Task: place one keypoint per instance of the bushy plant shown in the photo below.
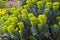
(36, 20)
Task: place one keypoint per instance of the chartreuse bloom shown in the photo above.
(12, 9)
(47, 10)
(34, 1)
(26, 7)
(14, 24)
(30, 15)
(4, 18)
(19, 9)
(58, 18)
(16, 13)
(42, 19)
(4, 28)
(29, 3)
(13, 19)
(59, 23)
(13, 15)
(19, 16)
(33, 21)
(55, 26)
(20, 31)
(21, 27)
(24, 16)
(24, 11)
(11, 29)
(48, 4)
(48, 0)
(7, 23)
(2, 12)
(55, 6)
(40, 5)
(16, 30)
(44, 1)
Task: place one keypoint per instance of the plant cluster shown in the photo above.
(36, 20)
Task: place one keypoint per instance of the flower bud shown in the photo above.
(29, 3)
(33, 21)
(11, 29)
(24, 11)
(47, 10)
(21, 25)
(40, 4)
(55, 5)
(55, 26)
(30, 15)
(48, 5)
(24, 16)
(42, 19)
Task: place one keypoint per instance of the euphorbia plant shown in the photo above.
(37, 19)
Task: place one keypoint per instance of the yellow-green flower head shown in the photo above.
(26, 7)
(11, 29)
(58, 18)
(40, 4)
(34, 1)
(55, 26)
(5, 17)
(44, 1)
(19, 9)
(13, 9)
(48, 5)
(2, 12)
(20, 31)
(21, 25)
(59, 23)
(4, 28)
(7, 23)
(13, 23)
(25, 16)
(56, 5)
(30, 15)
(48, 0)
(24, 11)
(16, 29)
(40, 26)
(33, 21)
(13, 15)
(16, 12)
(19, 16)
(29, 3)
(42, 19)
(47, 10)
(14, 19)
